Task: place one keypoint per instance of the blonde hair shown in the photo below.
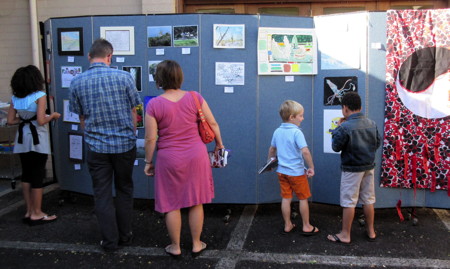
(289, 108)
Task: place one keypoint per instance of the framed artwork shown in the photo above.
(76, 147)
(70, 41)
(159, 36)
(185, 36)
(136, 73)
(229, 36)
(69, 116)
(68, 73)
(287, 51)
(336, 87)
(121, 38)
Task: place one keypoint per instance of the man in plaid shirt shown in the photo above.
(106, 100)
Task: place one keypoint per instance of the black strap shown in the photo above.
(32, 129)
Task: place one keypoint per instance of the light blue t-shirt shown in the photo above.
(289, 140)
(28, 103)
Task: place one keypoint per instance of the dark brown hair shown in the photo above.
(352, 101)
(168, 75)
(100, 48)
(26, 80)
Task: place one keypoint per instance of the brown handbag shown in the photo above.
(206, 133)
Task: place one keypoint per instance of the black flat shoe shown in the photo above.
(26, 220)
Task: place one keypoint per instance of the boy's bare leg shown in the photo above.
(347, 218)
(286, 212)
(369, 213)
(304, 212)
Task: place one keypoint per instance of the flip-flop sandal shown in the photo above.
(175, 256)
(44, 220)
(196, 254)
(292, 230)
(312, 232)
(371, 239)
(337, 240)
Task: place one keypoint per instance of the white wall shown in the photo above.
(15, 40)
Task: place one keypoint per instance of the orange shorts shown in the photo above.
(297, 184)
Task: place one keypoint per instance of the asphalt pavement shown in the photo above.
(238, 236)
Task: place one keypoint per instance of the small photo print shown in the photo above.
(159, 36)
(152, 69)
(136, 73)
(185, 36)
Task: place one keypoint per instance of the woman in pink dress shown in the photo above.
(182, 171)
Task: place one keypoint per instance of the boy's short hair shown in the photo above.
(352, 100)
(169, 75)
(100, 48)
(289, 108)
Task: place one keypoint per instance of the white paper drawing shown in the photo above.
(68, 73)
(330, 119)
(75, 147)
(69, 116)
(230, 73)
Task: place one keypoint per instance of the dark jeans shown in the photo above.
(114, 216)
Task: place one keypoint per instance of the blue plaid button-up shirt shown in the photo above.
(105, 97)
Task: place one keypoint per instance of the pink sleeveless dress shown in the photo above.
(183, 175)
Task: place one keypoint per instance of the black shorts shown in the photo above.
(33, 168)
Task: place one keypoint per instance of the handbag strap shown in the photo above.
(199, 108)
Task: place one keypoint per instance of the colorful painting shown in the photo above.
(185, 36)
(70, 41)
(229, 36)
(416, 150)
(287, 51)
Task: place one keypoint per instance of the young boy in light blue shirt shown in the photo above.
(289, 146)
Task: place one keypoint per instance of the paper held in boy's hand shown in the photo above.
(271, 163)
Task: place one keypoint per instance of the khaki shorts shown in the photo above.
(357, 188)
(297, 184)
